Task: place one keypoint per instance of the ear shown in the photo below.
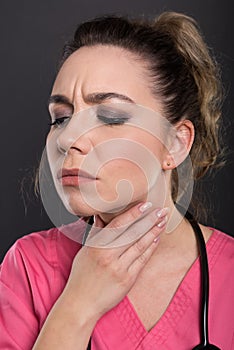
(180, 146)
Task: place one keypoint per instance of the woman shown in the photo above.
(143, 290)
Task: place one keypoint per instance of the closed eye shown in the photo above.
(112, 116)
(59, 121)
(118, 120)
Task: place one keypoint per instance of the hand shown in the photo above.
(101, 277)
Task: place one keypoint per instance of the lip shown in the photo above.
(74, 176)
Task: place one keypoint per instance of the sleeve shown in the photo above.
(18, 322)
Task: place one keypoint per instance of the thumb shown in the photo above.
(98, 222)
(93, 238)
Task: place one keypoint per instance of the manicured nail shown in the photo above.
(163, 222)
(161, 213)
(156, 239)
(145, 206)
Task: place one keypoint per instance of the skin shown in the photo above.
(127, 270)
(76, 87)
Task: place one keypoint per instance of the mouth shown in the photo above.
(74, 177)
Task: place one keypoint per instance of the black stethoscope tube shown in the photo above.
(204, 333)
(204, 279)
(204, 268)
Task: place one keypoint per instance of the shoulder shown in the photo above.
(222, 239)
(35, 270)
(45, 244)
(40, 253)
(46, 241)
(32, 276)
(220, 248)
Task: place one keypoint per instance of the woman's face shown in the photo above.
(111, 155)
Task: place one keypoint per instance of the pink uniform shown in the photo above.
(36, 268)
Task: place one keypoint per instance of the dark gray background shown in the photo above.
(32, 35)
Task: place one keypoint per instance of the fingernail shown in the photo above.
(145, 206)
(163, 222)
(156, 239)
(161, 213)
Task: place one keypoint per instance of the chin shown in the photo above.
(111, 207)
(80, 209)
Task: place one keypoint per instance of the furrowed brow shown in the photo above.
(93, 98)
(59, 99)
(99, 97)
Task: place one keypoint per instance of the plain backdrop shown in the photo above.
(31, 38)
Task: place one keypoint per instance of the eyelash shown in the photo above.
(107, 121)
(113, 120)
(58, 121)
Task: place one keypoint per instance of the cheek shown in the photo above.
(122, 177)
(54, 157)
(155, 146)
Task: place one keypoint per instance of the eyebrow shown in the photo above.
(94, 98)
(59, 99)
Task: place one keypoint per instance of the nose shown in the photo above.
(74, 137)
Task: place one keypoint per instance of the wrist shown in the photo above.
(80, 311)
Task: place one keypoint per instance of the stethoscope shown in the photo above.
(204, 333)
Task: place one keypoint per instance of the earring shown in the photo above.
(168, 164)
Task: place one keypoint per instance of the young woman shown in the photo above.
(132, 103)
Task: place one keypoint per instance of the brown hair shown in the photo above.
(181, 70)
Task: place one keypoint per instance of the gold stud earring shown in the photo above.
(168, 164)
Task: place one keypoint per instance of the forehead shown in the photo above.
(99, 68)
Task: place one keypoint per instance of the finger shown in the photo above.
(117, 226)
(130, 255)
(136, 230)
(142, 260)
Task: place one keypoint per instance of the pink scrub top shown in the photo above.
(36, 268)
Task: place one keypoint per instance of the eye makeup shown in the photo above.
(112, 116)
(106, 115)
(59, 115)
(59, 121)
